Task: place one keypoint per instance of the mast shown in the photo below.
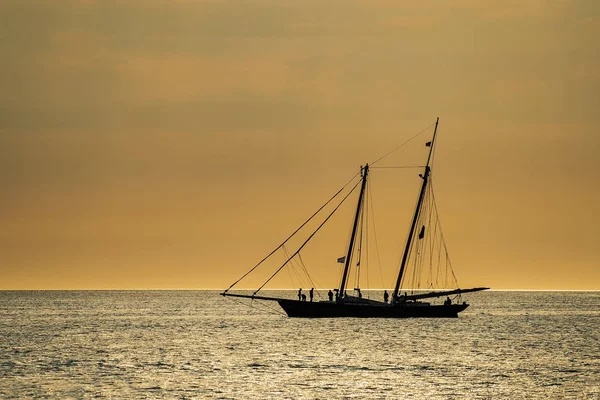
(365, 172)
(425, 177)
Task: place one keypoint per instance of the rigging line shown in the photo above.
(420, 133)
(415, 260)
(310, 237)
(291, 278)
(421, 249)
(359, 249)
(442, 234)
(423, 243)
(301, 281)
(269, 310)
(285, 257)
(340, 273)
(414, 271)
(422, 257)
(434, 244)
(446, 277)
(429, 234)
(451, 267)
(448, 262)
(294, 268)
(291, 270)
(412, 264)
(301, 262)
(439, 262)
(442, 243)
(296, 231)
(370, 195)
(266, 308)
(304, 278)
(313, 283)
(413, 255)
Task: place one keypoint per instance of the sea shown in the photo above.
(199, 345)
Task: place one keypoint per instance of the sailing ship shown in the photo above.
(404, 303)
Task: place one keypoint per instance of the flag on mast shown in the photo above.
(341, 260)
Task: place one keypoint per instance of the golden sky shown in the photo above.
(172, 144)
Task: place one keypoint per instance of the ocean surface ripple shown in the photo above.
(198, 345)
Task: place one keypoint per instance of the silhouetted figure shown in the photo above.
(311, 293)
(447, 302)
(386, 296)
(299, 294)
(303, 297)
(337, 295)
(330, 295)
(359, 294)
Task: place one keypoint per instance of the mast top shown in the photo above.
(432, 143)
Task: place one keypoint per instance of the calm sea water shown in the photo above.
(196, 344)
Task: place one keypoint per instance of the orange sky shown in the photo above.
(172, 144)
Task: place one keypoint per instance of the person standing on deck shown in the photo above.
(299, 294)
(386, 296)
(311, 293)
(330, 295)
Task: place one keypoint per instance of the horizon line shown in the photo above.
(280, 289)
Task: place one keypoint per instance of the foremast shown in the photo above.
(364, 172)
(411, 232)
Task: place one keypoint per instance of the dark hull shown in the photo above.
(304, 309)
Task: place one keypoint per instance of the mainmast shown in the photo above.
(364, 172)
(425, 177)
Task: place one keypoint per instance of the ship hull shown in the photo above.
(303, 309)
